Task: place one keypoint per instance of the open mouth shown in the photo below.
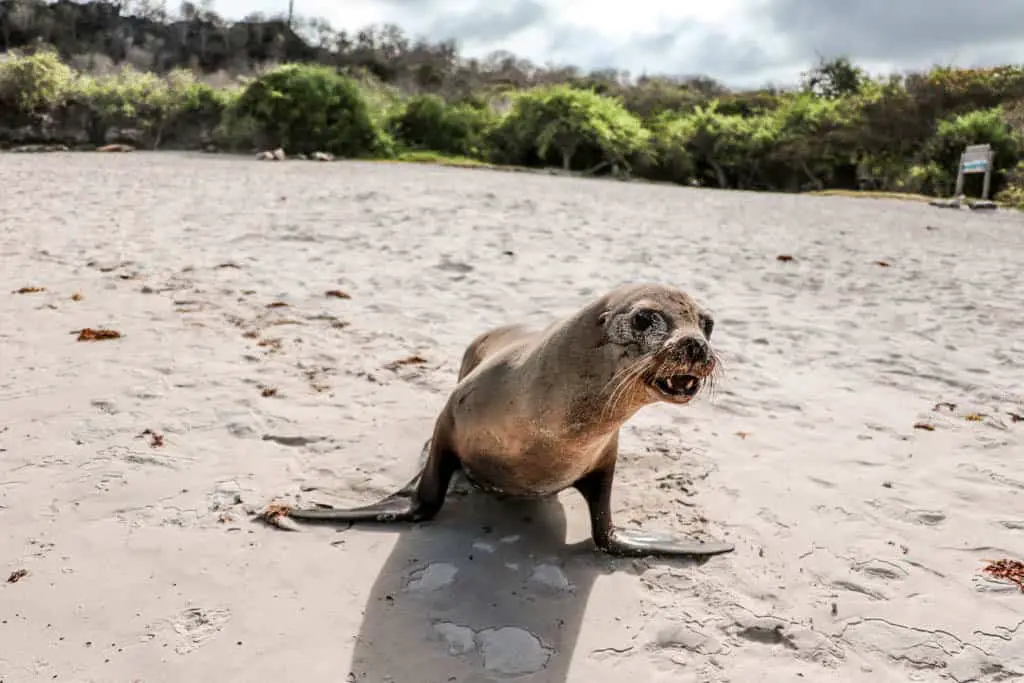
(678, 386)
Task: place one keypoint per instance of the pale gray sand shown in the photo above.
(859, 538)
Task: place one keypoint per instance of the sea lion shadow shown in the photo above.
(487, 590)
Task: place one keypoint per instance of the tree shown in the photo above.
(834, 78)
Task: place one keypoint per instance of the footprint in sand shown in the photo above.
(197, 626)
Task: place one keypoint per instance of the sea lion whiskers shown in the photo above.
(713, 378)
(625, 381)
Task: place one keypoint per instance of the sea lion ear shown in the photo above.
(707, 324)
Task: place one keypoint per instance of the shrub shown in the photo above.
(727, 148)
(34, 84)
(147, 102)
(571, 127)
(815, 140)
(974, 128)
(428, 122)
(672, 158)
(928, 179)
(1012, 193)
(307, 108)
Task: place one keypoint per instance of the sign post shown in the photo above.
(975, 159)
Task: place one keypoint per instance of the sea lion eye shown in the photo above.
(643, 319)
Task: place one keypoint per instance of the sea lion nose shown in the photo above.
(694, 349)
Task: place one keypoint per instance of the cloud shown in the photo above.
(490, 22)
(739, 42)
(898, 30)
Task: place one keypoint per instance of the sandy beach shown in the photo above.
(861, 451)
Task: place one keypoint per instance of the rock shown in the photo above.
(115, 148)
(322, 156)
(301, 157)
(946, 203)
(35, 149)
(271, 155)
(983, 205)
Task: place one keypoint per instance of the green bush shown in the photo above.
(724, 149)
(815, 140)
(672, 157)
(308, 108)
(577, 129)
(973, 128)
(1012, 193)
(929, 179)
(427, 122)
(34, 84)
(147, 102)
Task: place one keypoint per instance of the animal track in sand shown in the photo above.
(196, 626)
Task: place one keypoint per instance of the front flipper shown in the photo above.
(637, 542)
(596, 489)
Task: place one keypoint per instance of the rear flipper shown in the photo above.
(400, 506)
(397, 507)
(421, 499)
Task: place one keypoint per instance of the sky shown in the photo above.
(741, 43)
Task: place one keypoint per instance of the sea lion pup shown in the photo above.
(536, 412)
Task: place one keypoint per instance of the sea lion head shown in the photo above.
(663, 339)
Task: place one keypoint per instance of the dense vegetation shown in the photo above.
(98, 72)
